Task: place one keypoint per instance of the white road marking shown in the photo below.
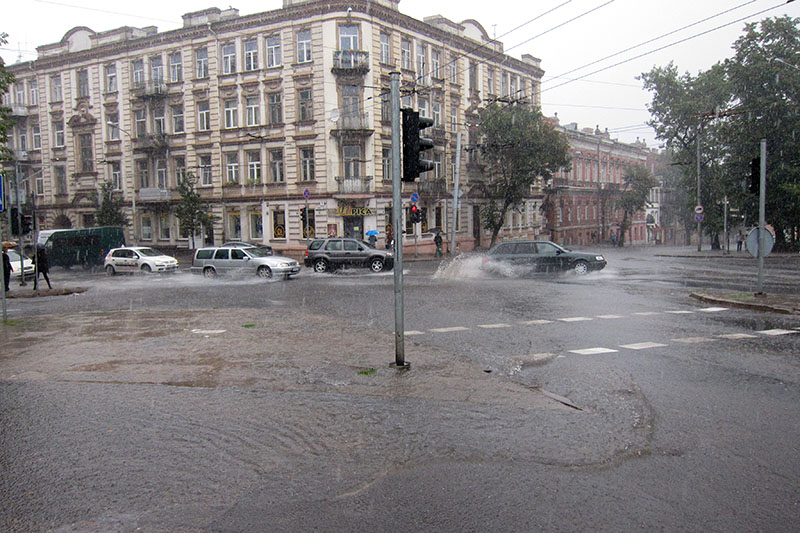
(610, 316)
(737, 336)
(694, 340)
(208, 331)
(448, 330)
(642, 345)
(535, 357)
(593, 351)
(774, 332)
(575, 319)
(680, 312)
(414, 332)
(713, 309)
(647, 313)
(535, 322)
(494, 326)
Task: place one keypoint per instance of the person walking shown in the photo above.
(6, 268)
(42, 267)
(437, 240)
(373, 240)
(739, 241)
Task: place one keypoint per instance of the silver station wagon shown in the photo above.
(222, 260)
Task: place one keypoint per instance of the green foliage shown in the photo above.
(6, 79)
(109, 207)
(752, 96)
(517, 148)
(637, 182)
(192, 211)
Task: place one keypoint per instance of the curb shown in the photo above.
(770, 308)
(45, 292)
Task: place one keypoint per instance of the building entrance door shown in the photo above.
(354, 228)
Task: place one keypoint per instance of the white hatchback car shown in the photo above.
(138, 259)
(27, 264)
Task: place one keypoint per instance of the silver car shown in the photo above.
(220, 260)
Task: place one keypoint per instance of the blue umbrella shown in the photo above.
(372, 232)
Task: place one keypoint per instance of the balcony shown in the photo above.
(150, 89)
(353, 185)
(352, 125)
(18, 110)
(433, 187)
(21, 155)
(157, 143)
(347, 62)
(154, 194)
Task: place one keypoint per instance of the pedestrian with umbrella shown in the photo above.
(373, 237)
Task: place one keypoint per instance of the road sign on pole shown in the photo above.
(699, 217)
(414, 197)
(698, 209)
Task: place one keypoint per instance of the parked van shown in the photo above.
(86, 247)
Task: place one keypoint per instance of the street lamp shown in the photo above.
(133, 181)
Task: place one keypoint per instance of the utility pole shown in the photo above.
(397, 211)
(18, 169)
(762, 195)
(699, 223)
(456, 195)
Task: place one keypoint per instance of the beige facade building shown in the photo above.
(272, 112)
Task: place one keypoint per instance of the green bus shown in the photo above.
(85, 247)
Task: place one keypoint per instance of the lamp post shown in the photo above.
(133, 183)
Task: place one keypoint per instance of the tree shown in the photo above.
(109, 207)
(6, 79)
(637, 182)
(191, 211)
(518, 148)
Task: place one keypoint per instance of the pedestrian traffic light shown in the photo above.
(415, 214)
(755, 175)
(413, 144)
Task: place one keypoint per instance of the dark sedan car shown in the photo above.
(541, 256)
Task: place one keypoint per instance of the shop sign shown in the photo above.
(348, 211)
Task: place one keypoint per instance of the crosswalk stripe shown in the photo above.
(713, 309)
(737, 336)
(642, 345)
(607, 317)
(680, 312)
(647, 313)
(774, 332)
(694, 340)
(414, 332)
(448, 330)
(494, 326)
(575, 319)
(536, 322)
(593, 351)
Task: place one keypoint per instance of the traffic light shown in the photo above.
(303, 215)
(755, 175)
(415, 214)
(413, 144)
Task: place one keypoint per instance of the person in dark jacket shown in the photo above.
(42, 267)
(6, 268)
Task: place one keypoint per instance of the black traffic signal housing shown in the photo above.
(413, 144)
(303, 215)
(755, 175)
(416, 216)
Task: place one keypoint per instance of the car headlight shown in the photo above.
(599, 258)
(388, 254)
(285, 265)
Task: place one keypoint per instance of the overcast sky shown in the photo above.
(564, 34)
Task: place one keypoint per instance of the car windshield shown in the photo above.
(13, 256)
(148, 252)
(257, 252)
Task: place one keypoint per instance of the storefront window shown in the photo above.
(279, 224)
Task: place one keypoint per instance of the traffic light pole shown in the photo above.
(19, 225)
(397, 211)
(762, 223)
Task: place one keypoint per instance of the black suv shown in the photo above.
(328, 254)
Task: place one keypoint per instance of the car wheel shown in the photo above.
(146, 269)
(209, 273)
(376, 264)
(264, 272)
(581, 267)
(110, 270)
(320, 266)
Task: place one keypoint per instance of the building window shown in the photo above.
(503, 84)
(256, 225)
(83, 83)
(159, 121)
(273, 51)
(157, 69)
(437, 165)
(352, 160)
(203, 116)
(251, 54)
(58, 133)
(423, 107)
(513, 86)
(279, 224)
(436, 64)
(253, 167)
(452, 68)
(232, 167)
(20, 90)
(235, 225)
(231, 113)
(305, 104)
(175, 67)
(386, 158)
(113, 127)
(33, 92)
(163, 227)
(473, 76)
(205, 170)
(276, 165)
(348, 37)
(116, 176)
(55, 88)
(177, 118)
(252, 111)
(22, 140)
(437, 114)
(36, 133)
(386, 107)
(147, 228)
(140, 122)
(386, 49)
(351, 100)
(137, 69)
(143, 173)
(304, 46)
(422, 54)
(111, 78)
(275, 109)
(61, 180)
(201, 62)
(161, 174)
(86, 152)
(228, 58)
(180, 169)
(405, 54)
(490, 80)
(307, 164)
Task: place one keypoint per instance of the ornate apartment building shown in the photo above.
(272, 112)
